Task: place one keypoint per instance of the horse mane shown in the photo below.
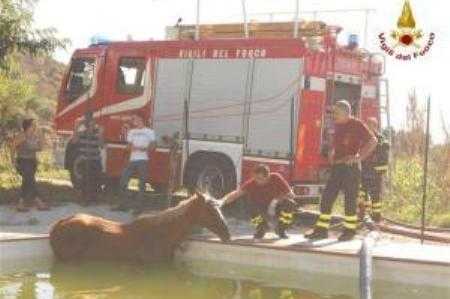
(166, 216)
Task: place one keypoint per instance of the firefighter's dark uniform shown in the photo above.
(90, 144)
(373, 170)
(349, 138)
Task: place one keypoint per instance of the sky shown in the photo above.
(146, 19)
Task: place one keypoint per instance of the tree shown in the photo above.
(18, 40)
(18, 35)
(409, 141)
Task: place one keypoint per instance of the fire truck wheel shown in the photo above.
(112, 185)
(212, 173)
(159, 188)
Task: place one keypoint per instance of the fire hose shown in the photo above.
(308, 217)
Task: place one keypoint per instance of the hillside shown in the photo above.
(45, 72)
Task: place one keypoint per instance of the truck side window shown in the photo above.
(80, 77)
(130, 76)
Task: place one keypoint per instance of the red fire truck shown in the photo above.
(235, 102)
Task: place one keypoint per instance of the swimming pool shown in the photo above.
(211, 269)
(196, 279)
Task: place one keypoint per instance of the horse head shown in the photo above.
(210, 217)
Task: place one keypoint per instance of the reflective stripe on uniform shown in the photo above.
(351, 218)
(381, 167)
(351, 222)
(350, 225)
(376, 207)
(323, 224)
(257, 220)
(326, 217)
(324, 221)
(286, 218)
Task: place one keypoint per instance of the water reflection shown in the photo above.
(115, 280)
(190, 281)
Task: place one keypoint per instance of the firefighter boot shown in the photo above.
(280, 230)
(347, 235)
(285, 219)
(321, 228)
(318, 233)
(261, 231)
(261, 227)
(376, 212)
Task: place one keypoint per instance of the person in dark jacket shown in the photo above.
(89, 138)
(372, 172)
(24, 150)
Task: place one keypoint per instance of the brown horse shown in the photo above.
(149, 238)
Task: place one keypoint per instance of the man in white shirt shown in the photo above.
(141, 140)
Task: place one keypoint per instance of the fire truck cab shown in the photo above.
(235, 103)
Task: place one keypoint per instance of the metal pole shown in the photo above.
(291, 139)
(365, 266)
(388, 122)
(197, 25)
(186, 127)
(297, 7)
(425, 171)
(244, 13)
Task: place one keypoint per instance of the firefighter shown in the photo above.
(89, 138)
(269, 197)
(372, 172)
(352, 143)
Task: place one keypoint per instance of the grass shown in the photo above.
(53, 183)
(404, 201)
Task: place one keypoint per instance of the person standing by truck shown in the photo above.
(141, 140)
(352, 143)
(89, 138)
(269, 196)
(372, 172)
(24, 150)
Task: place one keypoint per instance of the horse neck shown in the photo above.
(182, 226)
(178, 221)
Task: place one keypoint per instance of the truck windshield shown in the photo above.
(80, 77)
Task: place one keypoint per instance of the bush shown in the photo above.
(442, 220)
(403, 202)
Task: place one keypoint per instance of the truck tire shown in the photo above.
(76, 173)
(112, 185)
(160, 188)
(211, 173)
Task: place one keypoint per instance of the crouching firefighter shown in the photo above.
(372, 172)
(352, 143)
(270, 198)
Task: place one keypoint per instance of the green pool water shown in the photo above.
(113, 280)
(189, 281)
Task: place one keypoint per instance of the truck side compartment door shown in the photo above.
(129, 91)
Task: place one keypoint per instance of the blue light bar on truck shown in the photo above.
(99, 40)
(353, 41)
